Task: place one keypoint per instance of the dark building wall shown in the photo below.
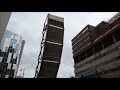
(100, 59)
(82, 39)
(100, 29)
(93, 34)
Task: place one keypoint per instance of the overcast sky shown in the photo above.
(29, 25)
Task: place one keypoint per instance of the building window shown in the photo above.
(11, 76)
(3, 71)
(0, 70)
(12, 72)
(108, 41)
(98, 47)
(11, 50)
(7, 71)
(117, 35)
(2, 76)
(90, 52)
(5, 65)
(76, 60)
(13, 61)
(5, 54)
(4, 59)
(11, 66)
(56, 23)
(82, 56)
(0, 65)
(2, 54)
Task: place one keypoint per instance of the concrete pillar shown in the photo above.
(102, 44)
(93, 50)
(4, 19)
(113, 36)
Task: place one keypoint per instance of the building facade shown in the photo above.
(96, 50)
(10, 54)
(4, 19)
(51, 47)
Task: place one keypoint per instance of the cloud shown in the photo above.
(29, 25)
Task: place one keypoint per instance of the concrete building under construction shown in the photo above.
(51, 47)
(96, 50)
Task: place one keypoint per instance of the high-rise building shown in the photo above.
(51, 47)
(10, 54)
(96, 50)
(4, 18)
